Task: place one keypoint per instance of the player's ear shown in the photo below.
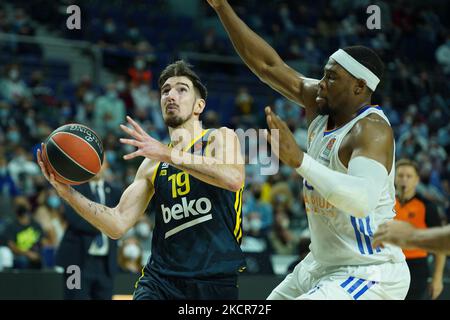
(199, 106)
(359, 87)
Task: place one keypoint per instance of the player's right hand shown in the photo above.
(61, 188)
(216, 3)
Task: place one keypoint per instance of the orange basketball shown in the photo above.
(74, 153)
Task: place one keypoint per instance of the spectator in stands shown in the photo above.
(85, 109)
(443, 55)
(8, 189)
(312, 55)
(38, 87)
(109, 111)
(410, 144)
(133, 37)
(211, 119)
(12, 87)
(425, 187)
(4, 21)
(85, 89)
(24, 237)
(23, 26)
(256, 204)
(287, 109)
(123, 90)
(253, 240)
(211, 43)
(140, 73)
(130, 256)
(144, 233)
(281, 192)
(50, 217)
(244, 109)
(109, 35)
(6, 257)
(142, 101)
(282, 239)
(23, 169)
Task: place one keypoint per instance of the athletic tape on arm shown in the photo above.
(356, 193)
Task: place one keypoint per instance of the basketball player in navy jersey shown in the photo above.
(348, 169)
(195, 187)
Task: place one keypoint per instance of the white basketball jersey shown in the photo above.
(336, 237)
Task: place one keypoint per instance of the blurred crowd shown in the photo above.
(414, 94)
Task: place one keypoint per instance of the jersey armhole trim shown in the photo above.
(154, 173)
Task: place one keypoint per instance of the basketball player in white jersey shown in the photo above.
(348, 169)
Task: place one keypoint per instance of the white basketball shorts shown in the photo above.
(311, 281)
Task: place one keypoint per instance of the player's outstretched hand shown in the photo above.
(61, 188)
(394, 232)
(283, 144)
(146, 145)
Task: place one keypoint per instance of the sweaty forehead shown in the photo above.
(332, 65)
(178, 80)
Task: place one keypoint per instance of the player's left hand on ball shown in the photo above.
(283, 144)
(146, 145)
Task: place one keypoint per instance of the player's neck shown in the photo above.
(345, 114)
(183, 135)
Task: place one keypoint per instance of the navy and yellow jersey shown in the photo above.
(198, 226)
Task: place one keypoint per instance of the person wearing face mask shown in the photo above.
(12, 88)
(49, 216)
(254, 239)
(422, 214)
(109, 111)
(85, 246)
(144, 234)
(109, 35)
(24, 237)
(23, 170)
(130, 256)
(140, 73)
(256, 204)
(282, 240)
(124, 93)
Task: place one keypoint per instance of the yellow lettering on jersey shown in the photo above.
(180, 184)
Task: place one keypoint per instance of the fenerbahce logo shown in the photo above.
(198, 207)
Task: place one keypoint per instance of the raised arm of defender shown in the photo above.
(114, 222)
(265, 62)
(357, 192)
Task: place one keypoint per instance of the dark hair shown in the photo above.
(368, 58)
(179, 69)
(409, 163)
